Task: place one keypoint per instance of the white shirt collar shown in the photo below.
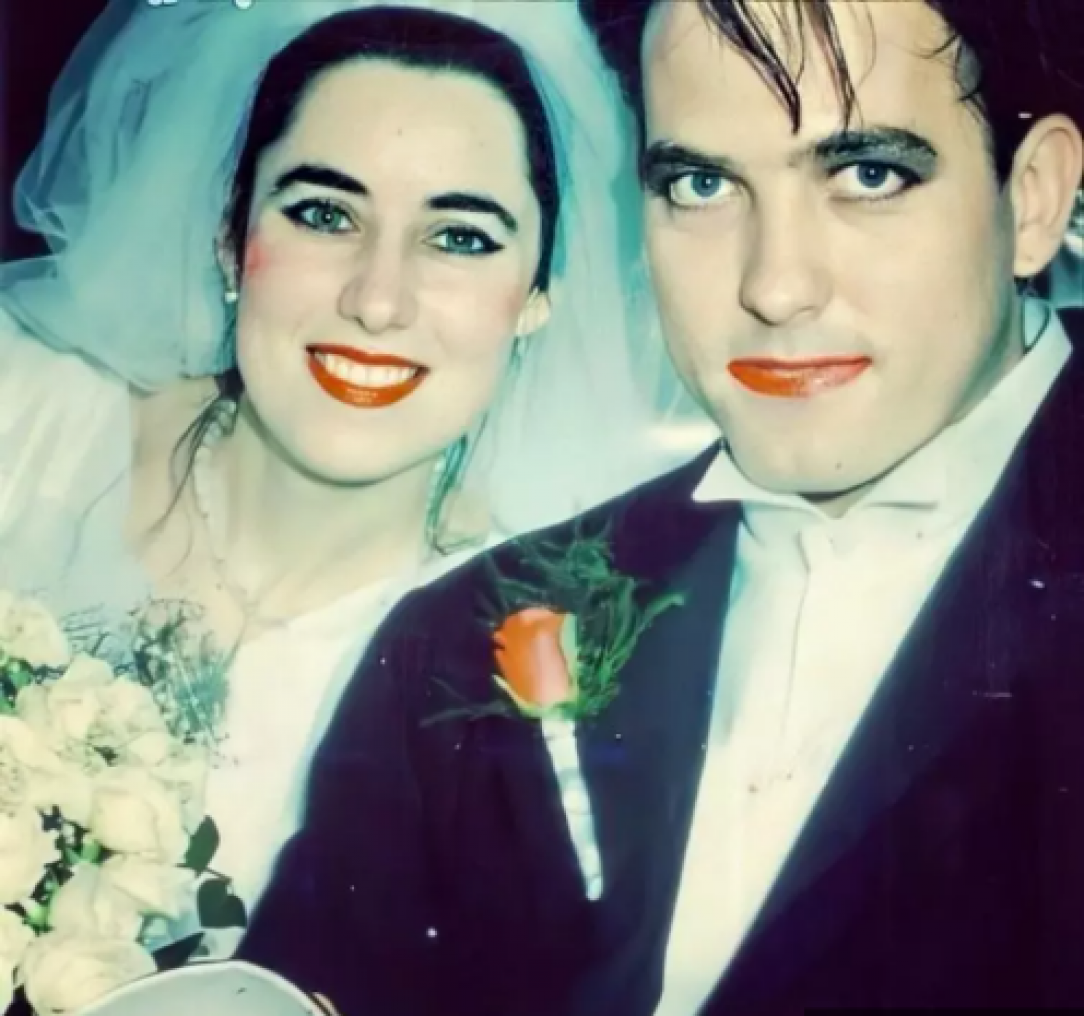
(955, 472)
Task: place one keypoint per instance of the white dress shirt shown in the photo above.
(818, 608)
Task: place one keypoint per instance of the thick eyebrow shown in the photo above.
(661, 156)
(843, 146)
(871, 143)
(454, 201)
(460, 201)
(320, 176)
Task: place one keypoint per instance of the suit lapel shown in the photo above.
(642, 757)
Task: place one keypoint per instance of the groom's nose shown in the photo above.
(785, 275)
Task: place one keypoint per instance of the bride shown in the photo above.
(335, 300)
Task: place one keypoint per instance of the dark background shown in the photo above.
(36, 37)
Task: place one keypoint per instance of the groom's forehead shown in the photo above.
(894, 55)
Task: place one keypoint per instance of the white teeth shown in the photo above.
(363, 375)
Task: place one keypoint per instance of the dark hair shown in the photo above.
(428, 40)
(1017, 61)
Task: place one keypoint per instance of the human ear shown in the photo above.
(1046, 177)
(535, 314)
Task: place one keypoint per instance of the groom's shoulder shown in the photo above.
(628, 520)
(629, 517)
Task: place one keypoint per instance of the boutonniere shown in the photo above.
(562, 629)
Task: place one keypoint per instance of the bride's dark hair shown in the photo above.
(411, 37)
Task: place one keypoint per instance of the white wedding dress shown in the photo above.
(64, 454)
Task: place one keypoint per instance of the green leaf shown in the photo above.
(570, 648)
(218, 907)
(201, 850)
(37, 914)
(177, 954)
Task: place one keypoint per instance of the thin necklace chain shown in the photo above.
(210, 503)
(210, 498)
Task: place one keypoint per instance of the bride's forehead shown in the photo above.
(386, 113)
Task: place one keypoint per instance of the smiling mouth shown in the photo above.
(364, 380)
(797, 379)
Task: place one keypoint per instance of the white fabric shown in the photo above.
(130, 183)
(560, 736)
(818, 609)
(65, 451)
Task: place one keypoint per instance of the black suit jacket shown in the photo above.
(944, 864)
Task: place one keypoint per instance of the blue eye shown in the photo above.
(319, 215)
(875, 181)
(697, 188)
(465, 240)
(873, 176)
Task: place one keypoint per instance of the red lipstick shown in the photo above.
(352, 392)
(797, 379)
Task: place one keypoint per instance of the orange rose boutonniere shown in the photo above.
(537, 658)
(563, 624)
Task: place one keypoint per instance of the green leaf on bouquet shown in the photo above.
(20, 676)
(218, 907)
(203, 846)
(177, 954)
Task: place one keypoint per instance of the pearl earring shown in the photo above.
(231, 295)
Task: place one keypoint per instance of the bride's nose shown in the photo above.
(380, 292)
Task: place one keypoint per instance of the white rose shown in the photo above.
(150, 748)
(32, 773)
(135, 813)
(29, 632)
(185, 772)
(91, 903)
(25, 849)
(7, 985)
(89, 704)
(71, 705)
(15, 936)
(63, 972)
(132, 724)
(32, 707)
(159, 890)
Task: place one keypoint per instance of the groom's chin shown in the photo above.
(820, 471)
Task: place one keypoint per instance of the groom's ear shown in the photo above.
(536, 312)
(1044, 184)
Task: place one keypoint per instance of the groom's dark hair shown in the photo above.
(1017, 60)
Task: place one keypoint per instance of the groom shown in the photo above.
(848, 769)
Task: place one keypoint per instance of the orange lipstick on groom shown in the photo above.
(797, 379)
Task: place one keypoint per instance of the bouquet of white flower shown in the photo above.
(103, 837)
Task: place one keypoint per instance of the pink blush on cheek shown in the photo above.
(255, 256)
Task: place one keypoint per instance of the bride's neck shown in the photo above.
(291, 535)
